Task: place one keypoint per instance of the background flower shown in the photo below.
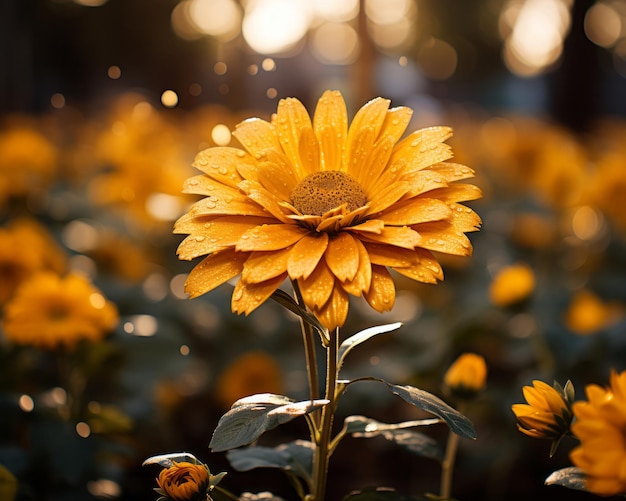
(600, 425)
(49, 311)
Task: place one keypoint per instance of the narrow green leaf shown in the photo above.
(571, 477)
(250, 417)
(428, 402)
(400, 434)
(296, 457)
(167, 460)
(363, 336)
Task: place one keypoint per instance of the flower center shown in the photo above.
(322, 191)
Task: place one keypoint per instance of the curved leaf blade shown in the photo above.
(250, 417)
(363, 336)
(296, 457)
(167, 460)
(571, 477)
(457, 422)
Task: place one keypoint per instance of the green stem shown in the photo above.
(447, 466)
(309, 349)
(322, 450)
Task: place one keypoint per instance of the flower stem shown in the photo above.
(309, 349)
(322, 450)
(447, 466)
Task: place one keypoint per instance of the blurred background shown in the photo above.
(103, 106)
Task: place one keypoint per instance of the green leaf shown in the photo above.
(428, 402)
(167, 460)
(250, 417)
(571, 477)
(400, 434)
(363, 336)
(296, 457)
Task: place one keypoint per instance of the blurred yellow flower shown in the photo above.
(607, 186)
(600, 426)
(330, 207)
(28, 161)
(25, 248)
(143, 164)
(587, 313)
(49, 311)
(548, 413)
(511, 285)
(184, 481)
(466, 377)
(251, 373)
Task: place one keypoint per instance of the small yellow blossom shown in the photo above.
(184, 481)
(600, 426)
(548, 413)
(466, 377)
(512, 285)
(48, 311)
(587, 313)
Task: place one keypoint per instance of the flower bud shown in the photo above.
(184, 481)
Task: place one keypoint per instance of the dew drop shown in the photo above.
(199, 238)
(203, 161)
(211, 204)
(241, 153)
(223, 170)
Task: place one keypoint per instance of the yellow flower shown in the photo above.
(330, 207)
(548, 413)
(466, 376)
(600, 426)
(253, 372)
(28, 160)
(184, 481)
(512, 285)
(48, 311)
(587, 313)
(26, 247)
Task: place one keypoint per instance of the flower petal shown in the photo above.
(382, 293)
(306, 254)
(369, 226)
(296, 136)
(391, 256)
(214, 270)
(427, 270)
(457, 192)
(362, 134)
(396, 121)
(420, 149)
(330, 123)
(342, 256)
(207, 235)
(399, 236)
(262, 266)
(257, 136)
(270, 237)
(452, 171)
(415, 211)
(227, 201)
(441, 236)
(317, 288)
(387, 196)
(220, 163)
(334, 313)
(362, 279)
(265, 200)
(247, 297)
(277, 177)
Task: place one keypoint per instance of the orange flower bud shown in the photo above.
(184, 481)
(466, 376)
